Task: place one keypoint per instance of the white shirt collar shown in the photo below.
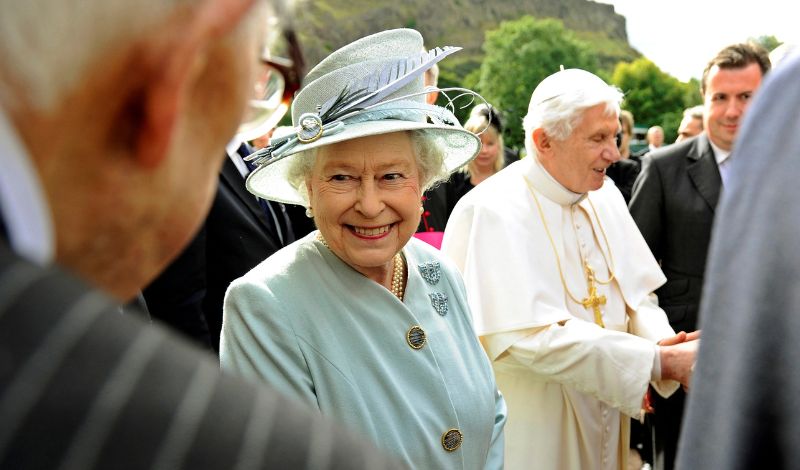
(22, 200)
(719, 154)
(544, 182)
(232, 150)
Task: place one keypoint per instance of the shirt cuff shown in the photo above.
(655, 374)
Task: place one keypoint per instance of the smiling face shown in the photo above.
(365, 194)
(727, 95)
(579, 162)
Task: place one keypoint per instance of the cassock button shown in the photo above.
(416, 337)
(451, 440)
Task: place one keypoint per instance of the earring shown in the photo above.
(309, 212)
(421, 209)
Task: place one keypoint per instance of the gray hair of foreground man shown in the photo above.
(48, 46)
(558, 102)
(124, 108)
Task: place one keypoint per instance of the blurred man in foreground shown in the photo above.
(114, 118)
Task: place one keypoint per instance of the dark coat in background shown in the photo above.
(236, 236)
(673, 203)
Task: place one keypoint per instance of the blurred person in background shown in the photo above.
(624, 171)
(691, 124)
(655, 137)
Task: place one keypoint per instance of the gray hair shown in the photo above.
(695, 112)
(561, 114)
(428, 154)
(48, 46)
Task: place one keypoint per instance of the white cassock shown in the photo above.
(569, 384)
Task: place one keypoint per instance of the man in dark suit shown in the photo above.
(741, 413)
(108, 168)
(674, 200)
(239, 232)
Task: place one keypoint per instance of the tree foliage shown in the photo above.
(518, 55)
(653, 96)
(767, 42)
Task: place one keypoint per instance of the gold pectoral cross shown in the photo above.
(594, 301)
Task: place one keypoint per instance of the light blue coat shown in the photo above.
(310, 325)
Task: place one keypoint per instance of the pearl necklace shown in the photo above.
(398, 276)
(398, 273)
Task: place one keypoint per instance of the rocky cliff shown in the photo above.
(324, 26)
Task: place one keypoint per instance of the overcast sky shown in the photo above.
(680, 36)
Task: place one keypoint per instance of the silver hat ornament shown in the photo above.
(369, 87)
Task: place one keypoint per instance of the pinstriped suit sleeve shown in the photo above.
(82, 387)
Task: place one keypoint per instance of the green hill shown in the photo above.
(324, 26)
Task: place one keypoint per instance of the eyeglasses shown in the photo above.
(277, 81)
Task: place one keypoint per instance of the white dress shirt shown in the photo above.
(23, 204)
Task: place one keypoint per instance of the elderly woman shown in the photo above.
(358, 319)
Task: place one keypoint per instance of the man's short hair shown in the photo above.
(737, 56)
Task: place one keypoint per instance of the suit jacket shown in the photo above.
(235, 237)
(623, 173)
(86, 388)
(673, 203)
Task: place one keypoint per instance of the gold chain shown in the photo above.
(593, 301)
(610, 264)
(398, 273)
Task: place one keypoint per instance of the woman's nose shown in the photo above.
(369, 202)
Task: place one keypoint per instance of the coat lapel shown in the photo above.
(231, 177)
(703, 171)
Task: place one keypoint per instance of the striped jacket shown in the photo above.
(82, 387)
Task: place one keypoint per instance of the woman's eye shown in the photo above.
(392, 176)
(340, 177)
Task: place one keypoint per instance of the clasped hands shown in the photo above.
(678, 356)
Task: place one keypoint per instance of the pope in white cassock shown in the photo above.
(561, 284)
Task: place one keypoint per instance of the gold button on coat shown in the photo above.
(416, 337)
(451, 440)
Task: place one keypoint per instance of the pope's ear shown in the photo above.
(541, 141)
(174, 57)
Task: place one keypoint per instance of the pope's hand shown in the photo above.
(677, 360)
